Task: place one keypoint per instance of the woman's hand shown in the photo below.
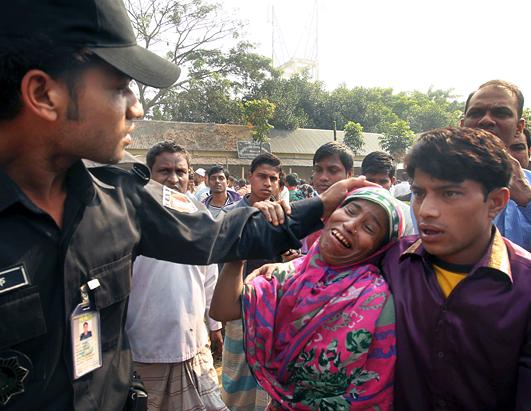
(290, 255)
(266, 270)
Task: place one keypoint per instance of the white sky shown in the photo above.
(403, 44)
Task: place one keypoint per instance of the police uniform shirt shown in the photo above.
(110, 217)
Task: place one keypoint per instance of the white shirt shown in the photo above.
(409, 227)
(167, 309)
(202, 192)
(284, 194)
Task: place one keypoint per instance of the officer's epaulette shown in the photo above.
(137, 169)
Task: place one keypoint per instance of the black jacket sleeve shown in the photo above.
(197, 238)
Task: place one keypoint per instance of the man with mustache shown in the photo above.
(497, 106)
(69, 235)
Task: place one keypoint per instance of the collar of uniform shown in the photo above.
(496, 257)
(10, 192)
(80, 182)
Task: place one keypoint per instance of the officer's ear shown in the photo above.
(42, 95)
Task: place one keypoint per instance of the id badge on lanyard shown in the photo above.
(85, 336)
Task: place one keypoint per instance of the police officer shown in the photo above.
(68, 236)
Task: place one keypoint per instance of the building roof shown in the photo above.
(223, 137)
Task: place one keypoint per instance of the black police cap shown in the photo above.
(101, 26)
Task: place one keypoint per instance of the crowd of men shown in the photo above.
(108, 266)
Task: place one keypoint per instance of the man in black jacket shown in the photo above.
(68, 236)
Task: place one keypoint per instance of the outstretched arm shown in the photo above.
(226, 305)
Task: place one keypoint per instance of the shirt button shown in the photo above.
(440, 354)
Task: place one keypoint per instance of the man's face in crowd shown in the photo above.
(171, 170)
(454, 219)
(327, 172)
(264, 182)
(518, 149)
(494, 109)
(217, 182)
(198, 179)
(381, 178)
(104, 110)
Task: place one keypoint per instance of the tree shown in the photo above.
(188, 32)
(527, 115)
(206, 101)
(354, 136)
(396, 138)
(258, 113)
(299, 101)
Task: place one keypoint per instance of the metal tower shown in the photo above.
(304, 57)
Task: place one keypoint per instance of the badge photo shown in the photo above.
(86, 341)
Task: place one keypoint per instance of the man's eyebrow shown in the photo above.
(502, 108)
(444, 186)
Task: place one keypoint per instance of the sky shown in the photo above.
(403, 44)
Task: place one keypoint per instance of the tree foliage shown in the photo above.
(527, 116)
(188, 33)
(396, 138)
(215, 82)
(299, 101)
(354, 136)
(257, 113)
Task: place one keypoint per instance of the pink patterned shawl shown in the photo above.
(321, 337)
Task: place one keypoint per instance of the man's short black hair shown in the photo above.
(167, 146)
(513, 89)
(345, 154)
(292, 180)
(217, 169)
(378, 162)
(266, 158)
(458, 154)
(38, 52)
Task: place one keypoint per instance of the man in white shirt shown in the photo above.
(167, 311)
(202, 190)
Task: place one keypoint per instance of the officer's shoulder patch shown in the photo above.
(177, 201)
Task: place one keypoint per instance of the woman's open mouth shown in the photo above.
(340, 238)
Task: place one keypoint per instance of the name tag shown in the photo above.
(86, 340)
(13, 278)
